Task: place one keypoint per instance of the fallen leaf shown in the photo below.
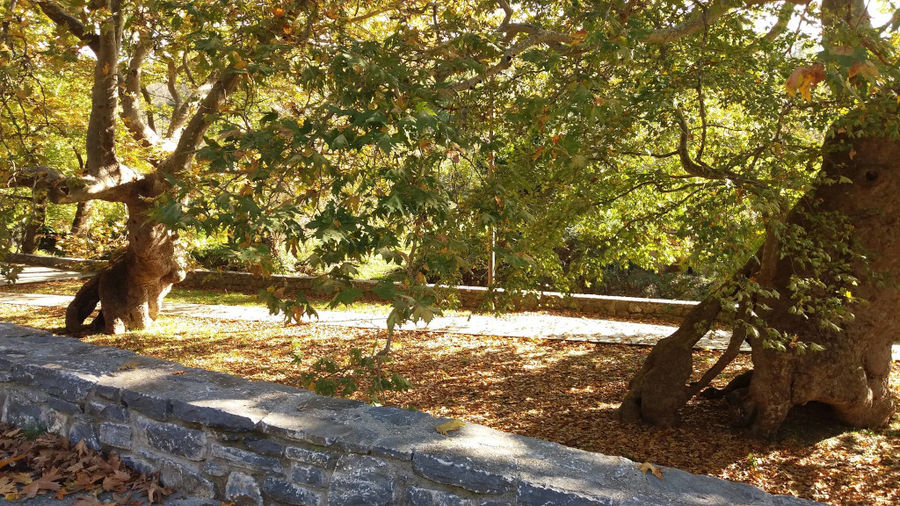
(128, 366)
(655, 470)
(452, 425)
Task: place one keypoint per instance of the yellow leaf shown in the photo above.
(655, 470)
(804, 79)
(579, 37)
(128, 366)
(452, 425)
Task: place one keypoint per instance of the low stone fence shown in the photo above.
(67, 263)
(224, 437)
(468, 296)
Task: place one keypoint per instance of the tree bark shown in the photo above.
(852, 373)
(32, 232)
(82, 215)
(130, 291)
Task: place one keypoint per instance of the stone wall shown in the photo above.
(220, 436)
(66, 263)
(468, 296)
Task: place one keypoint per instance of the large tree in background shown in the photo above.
(815, 301)
(653, 132)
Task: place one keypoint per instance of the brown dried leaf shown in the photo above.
(655, 470)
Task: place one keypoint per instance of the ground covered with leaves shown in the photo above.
(33, 464)
(559, 391)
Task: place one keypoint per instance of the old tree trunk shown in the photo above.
(130, 291)
(851, 373)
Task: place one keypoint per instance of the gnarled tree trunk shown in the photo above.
(852, 373)
(130, 291)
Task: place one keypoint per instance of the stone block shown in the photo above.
(215, 468)
(152, 406)
(57, 423)
(290, 493)
(316, 458)
(242, 490)
(246, 459)
(24, 413)
(460, 471)
(64, 406)
(112, 412)
(309, 475)
(324, 431)
(177, 440)
(397, 416)
(534, 495)
(184, 479)
(107, 392)
(138, 464)
(113, 434)
(211, 417)
(84, 430)
(59, 383)
(361, 481)
(265, 446)
(417, 496)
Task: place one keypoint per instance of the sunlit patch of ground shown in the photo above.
(560, 391)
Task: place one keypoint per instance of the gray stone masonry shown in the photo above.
(226, 438)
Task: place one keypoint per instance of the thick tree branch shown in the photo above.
(68, 190)
(784, 16)
(131, 110)
(59, 16)
(700, 18)
(182, 107)
(101, 132)
(149, 110)
(507, 12)
(193, 133)
(699, 168)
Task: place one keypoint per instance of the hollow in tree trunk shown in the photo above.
(852, 373)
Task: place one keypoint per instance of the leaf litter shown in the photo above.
(566, 392)
(34, 463)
